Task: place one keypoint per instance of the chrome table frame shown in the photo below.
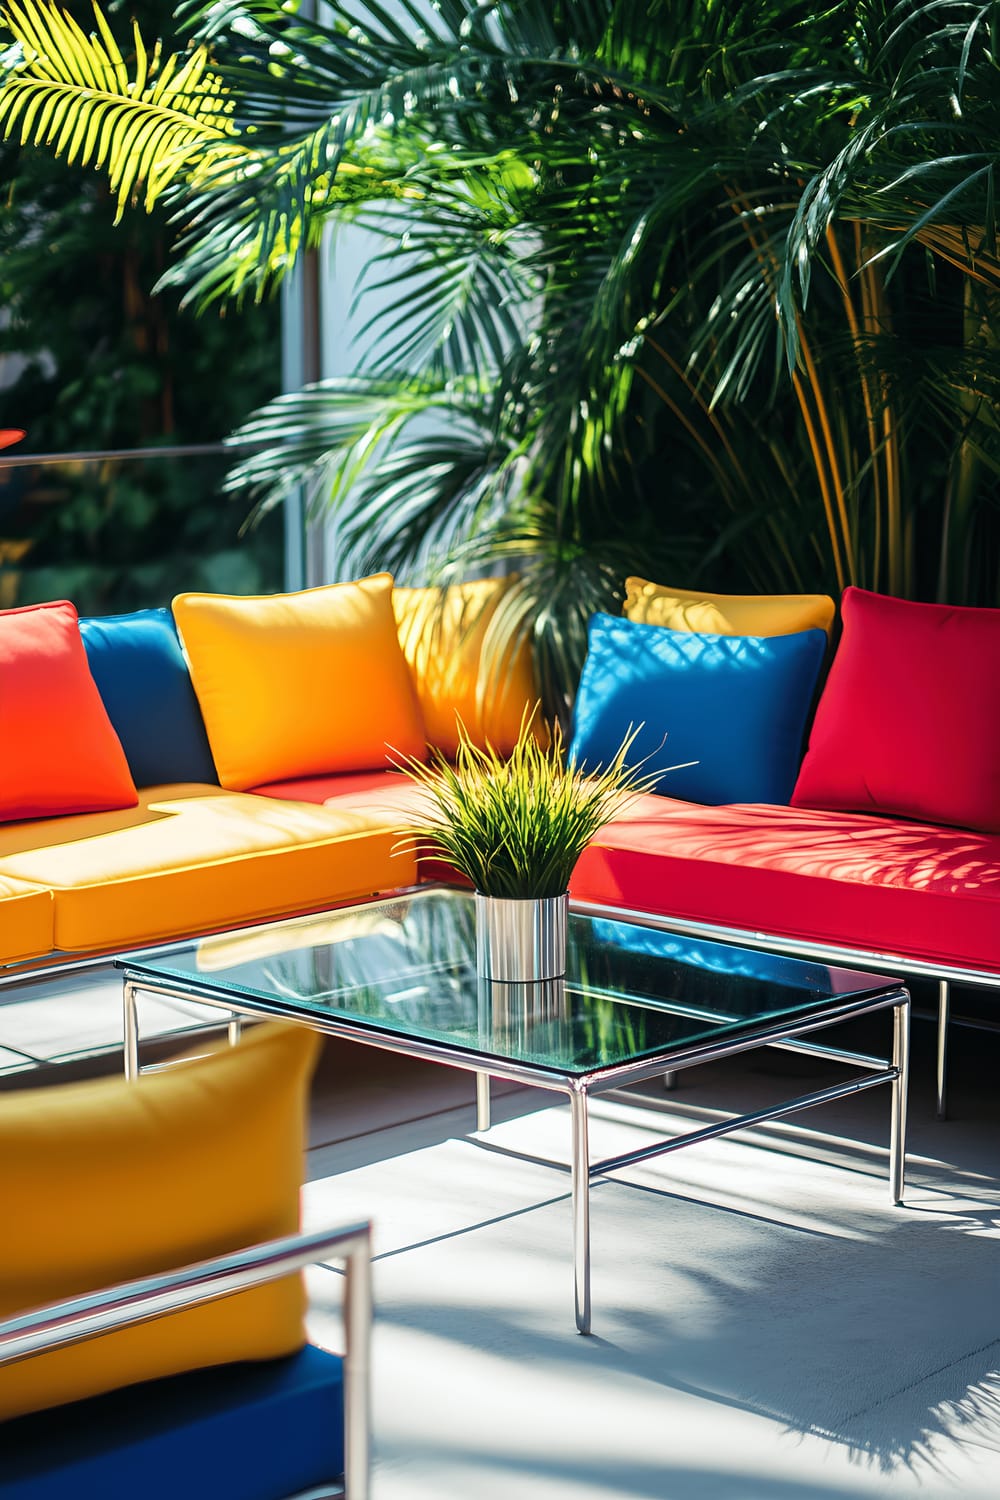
(840, 955)
(16, 977)
(579, 1088)
(62, 1324)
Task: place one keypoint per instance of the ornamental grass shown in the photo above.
(515, 825)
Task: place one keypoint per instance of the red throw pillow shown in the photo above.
(909, 720)
(58, 751)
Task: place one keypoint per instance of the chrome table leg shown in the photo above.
(581, 1207)
(482, 1101)
(129, 993)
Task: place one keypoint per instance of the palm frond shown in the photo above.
(439, 310)
(146, 126)
(400, 506)
(921, 159)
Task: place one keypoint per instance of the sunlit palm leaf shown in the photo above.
(73, 93)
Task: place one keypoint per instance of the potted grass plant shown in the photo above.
(515, 825)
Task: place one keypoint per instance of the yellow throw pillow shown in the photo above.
(300, 684)
(726, 614)
(105, 1181)
(446, 635)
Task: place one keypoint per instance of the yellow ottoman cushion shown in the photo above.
(105, 1181)
(300, 684)
(726, 614)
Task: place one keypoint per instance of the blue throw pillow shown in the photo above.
(735, 704)
(140, 671)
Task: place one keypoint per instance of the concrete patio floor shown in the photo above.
(767, 1326)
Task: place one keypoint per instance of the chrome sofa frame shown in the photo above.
(61, 1324)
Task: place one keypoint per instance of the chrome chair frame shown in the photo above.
(60, 1324)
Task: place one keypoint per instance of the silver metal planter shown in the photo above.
(521, 941)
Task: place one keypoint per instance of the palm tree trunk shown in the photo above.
(980, 309)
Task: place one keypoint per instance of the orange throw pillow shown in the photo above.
(58, 750)
(302, 684)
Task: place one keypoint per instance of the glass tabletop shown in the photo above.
(405, 968)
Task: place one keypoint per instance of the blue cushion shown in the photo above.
(140, 671)
(243, 1432)
(735, 704)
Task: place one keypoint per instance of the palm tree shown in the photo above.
(912, 190)
(690, 290)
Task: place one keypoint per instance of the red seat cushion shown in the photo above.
(58, 750)
(380, 788)
(909, 720)
(860, 881)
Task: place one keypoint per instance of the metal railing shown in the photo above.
(117, 529)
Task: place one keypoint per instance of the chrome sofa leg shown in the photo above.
(900, 1091)
(944, 1012)
(669, 1082)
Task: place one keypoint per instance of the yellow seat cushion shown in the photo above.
(447, 635)
(105, 1181)
(300, 684)
(726, 614)
(194, 858)
(26, 920)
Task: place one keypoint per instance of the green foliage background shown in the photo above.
(108, 365)
(706, 292)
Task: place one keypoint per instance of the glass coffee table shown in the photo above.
(637, 1000)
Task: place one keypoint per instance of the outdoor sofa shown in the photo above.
(173, 772)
